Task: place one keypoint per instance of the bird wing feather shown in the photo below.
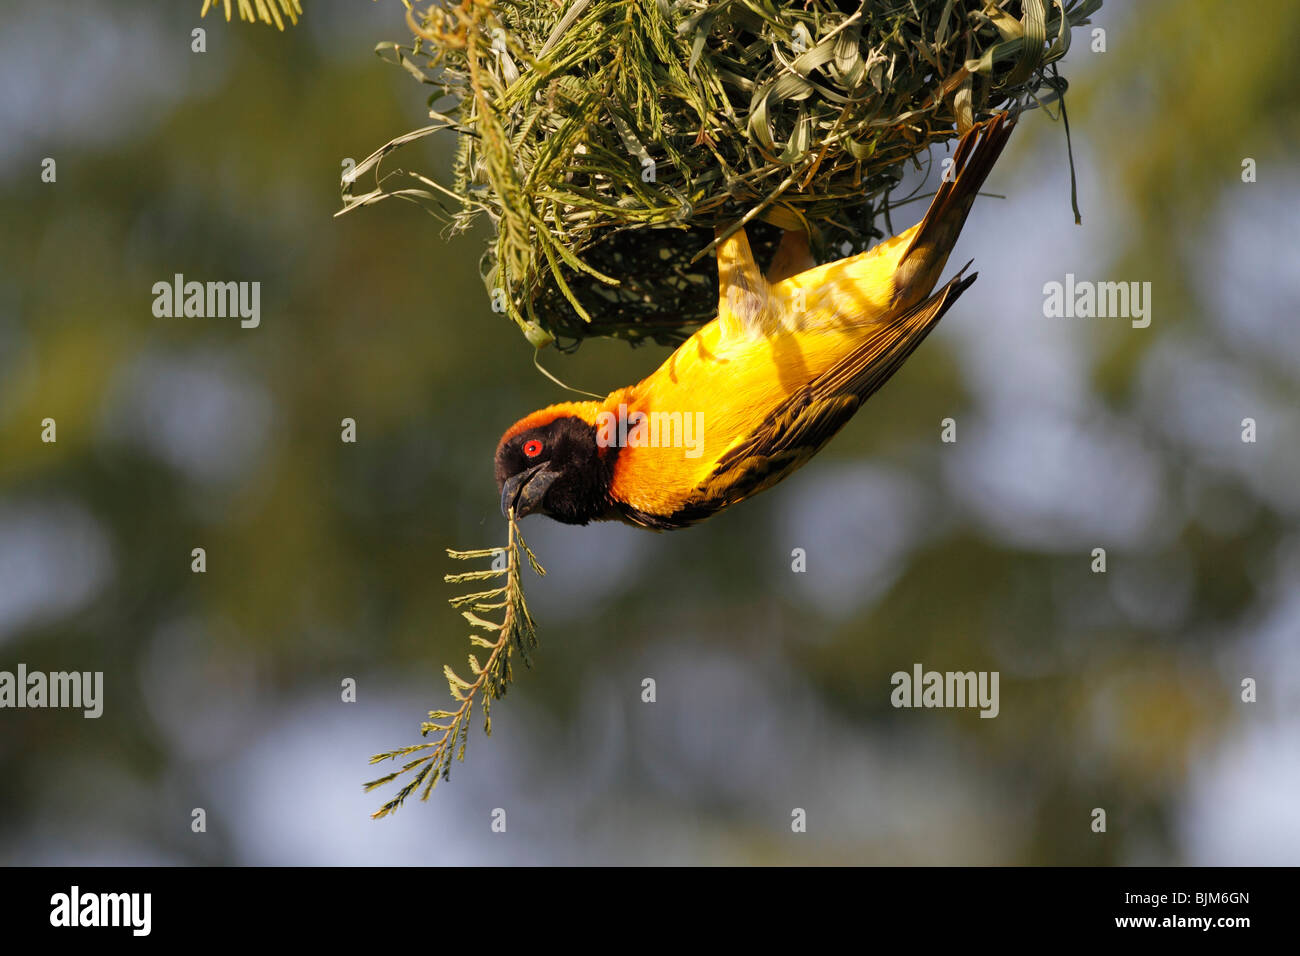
(800, 424)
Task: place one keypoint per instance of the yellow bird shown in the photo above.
(756, 392)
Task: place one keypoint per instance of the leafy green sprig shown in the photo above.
(500, 627)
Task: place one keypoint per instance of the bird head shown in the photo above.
(550, 463)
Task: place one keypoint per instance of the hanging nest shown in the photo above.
(605, 139)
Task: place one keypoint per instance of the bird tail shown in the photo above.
(922, 262)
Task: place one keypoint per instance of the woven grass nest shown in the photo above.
(606, 139)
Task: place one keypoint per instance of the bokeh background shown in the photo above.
(325, 560)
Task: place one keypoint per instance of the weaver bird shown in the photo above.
(757, 391)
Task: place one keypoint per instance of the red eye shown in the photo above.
(532, 448)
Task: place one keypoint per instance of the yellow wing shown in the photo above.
(768, 344)
(789, 362)
(755, 434)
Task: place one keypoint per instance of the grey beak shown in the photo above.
(524, 492)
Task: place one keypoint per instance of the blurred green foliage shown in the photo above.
(326, 559)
